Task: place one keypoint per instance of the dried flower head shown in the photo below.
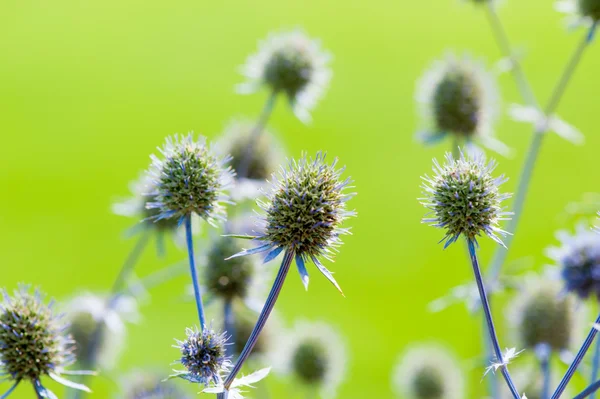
(148, 385)
(33, 343)
(428, 372)
(98, 327)
(543, 316)
(464, 199)
(458, 97)
(292, 63)
(315, 355)
(304, 212)
(203, 356)
(579, 260)
(580, 12)
(189, 179)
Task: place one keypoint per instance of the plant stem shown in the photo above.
(492, 382)
(229, 326)
(545, 366)
(578, 358)
(193, 271)
(533, 153)
(590, 390)
(255, 134)
(10, 390)
(488, 318)
(595, 365)
(262, 319)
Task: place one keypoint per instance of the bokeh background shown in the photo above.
(88, 89)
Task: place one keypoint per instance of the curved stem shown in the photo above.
(590, 390)
(489, 350)
(545, 366)
(595, 365)
(10, 390)
(264, 315)
(532, 155)
(256, 132)
(193, 271)
(488, 318)
(578, 358)
(229, 326)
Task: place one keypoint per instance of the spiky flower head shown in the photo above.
(543, 316)
(148, 385)
(33, 343)
(203, 355)
(428, 372)
(98, 327)
(464, 198)
(304, 212)
(315, 355)
(580, 12)
(578, 257)
(290, 63)
(189, 179)
(459, 97)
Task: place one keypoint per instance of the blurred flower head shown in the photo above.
(203, 356)
(189, 179)
(580, 12)
(428, 372)
(263, 350)
(314, 354)
(291, 63)
(33, 342)
(98, 327)
(304, 212)
(148, 385)
(459, 97)
(464, 199)
(578, 257)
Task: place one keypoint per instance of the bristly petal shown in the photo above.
(252, 251)
(273, 254)
(327, 274)
(68, 383)
(302, 270)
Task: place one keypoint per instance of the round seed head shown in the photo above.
(464, 199)
(244, 324)
(32, 339)
(578, 256)
(203, 356)
(309, 362)
(427, 372)
(590, 9)
(306, 207)
(189, 179)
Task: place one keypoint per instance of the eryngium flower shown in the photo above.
(464, 198)
(543, 316)
(292, 63)
(459, 97)
(579, 260)
(580, 12)
(315, 355)
(189, 179)
(428, 372)
(98, 328)
(148, 385)
(203, 356)
(304, 211)
(33, 343)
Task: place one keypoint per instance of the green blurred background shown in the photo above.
(88, 89)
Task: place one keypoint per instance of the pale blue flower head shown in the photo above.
(33, 342)
(189, 179)
(464, 199)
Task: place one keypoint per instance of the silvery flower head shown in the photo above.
(148, 385)
(291, 63)
(90, 314)
(304, 213)
(544, 318)
(189, 179)
(580, 12)
(428, 372)
(578, 257)
(464, 198)
(314, 354)
(203, 355)
(33, 342)
(459, 97)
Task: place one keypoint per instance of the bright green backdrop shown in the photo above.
(88, 89)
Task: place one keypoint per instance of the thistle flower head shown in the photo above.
(457, 96)
(543, 316)
(291, 63)
(33, 343)
(203, 356)
(578, 257)
(304, 212)
(464, 198)
(244, 324)
(98, 328)
(580, 12)
(188, 179)
(148, 385)
(315, 355)
(428, 372)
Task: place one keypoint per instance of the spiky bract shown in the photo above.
(189, 179)
(464, 199)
